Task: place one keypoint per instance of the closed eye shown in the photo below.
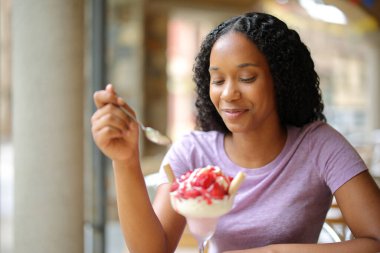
(217, 82)
(248, 80)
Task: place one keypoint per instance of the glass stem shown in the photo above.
(202, 246)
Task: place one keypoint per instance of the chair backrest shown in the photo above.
(328, 234)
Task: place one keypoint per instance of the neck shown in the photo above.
(255, 149)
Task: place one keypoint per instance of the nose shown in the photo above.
(230, 91)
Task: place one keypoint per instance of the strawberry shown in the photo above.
(217, 191)
(204, 180)
(192, 193)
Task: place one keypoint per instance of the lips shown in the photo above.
(233, 113)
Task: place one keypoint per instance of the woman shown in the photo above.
(259, 111)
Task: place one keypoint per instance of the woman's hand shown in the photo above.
(113, 131)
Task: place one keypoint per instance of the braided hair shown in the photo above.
(296, 83)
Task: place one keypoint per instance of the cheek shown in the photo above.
(214, 96)
(269, 98)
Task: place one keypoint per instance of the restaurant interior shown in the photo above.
(57, 191)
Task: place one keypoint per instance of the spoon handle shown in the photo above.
(152, 134)
(133, 118)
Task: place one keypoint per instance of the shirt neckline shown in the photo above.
(260, 170)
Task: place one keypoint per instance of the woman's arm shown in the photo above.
(145, 229)
(117, 137)
(359, 201)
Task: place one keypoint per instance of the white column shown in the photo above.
(48, 110)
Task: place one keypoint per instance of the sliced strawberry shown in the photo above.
(217, 191)
(192, 193)
(205, 180)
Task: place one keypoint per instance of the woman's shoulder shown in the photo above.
(317, 138)
(318, 126)
(319, 131)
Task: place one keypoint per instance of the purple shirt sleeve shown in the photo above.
(335, 156)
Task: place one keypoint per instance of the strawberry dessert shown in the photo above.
(202, 192)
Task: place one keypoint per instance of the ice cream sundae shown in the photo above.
(202, 192)
(203, 195)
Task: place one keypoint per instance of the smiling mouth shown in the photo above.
(233, 113)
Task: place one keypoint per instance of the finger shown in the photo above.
(110, 109)
(110, 120)
(120, 101)
(110, 88)
(105, 135)
(103, 97)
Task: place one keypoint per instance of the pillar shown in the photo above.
(48, 125)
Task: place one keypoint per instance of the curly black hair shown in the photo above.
(298, 96)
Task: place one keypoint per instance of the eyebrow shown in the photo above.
(243, 65)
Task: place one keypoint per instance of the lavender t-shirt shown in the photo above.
(285, 201)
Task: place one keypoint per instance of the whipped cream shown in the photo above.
(202, 192)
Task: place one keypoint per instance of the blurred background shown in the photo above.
(56, 189)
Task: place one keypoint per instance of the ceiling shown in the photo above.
(362, 18)
(359, 20)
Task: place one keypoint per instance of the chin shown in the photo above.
(236, 129)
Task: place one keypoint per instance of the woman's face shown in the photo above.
(241, 86)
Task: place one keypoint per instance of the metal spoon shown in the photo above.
(150, 133)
